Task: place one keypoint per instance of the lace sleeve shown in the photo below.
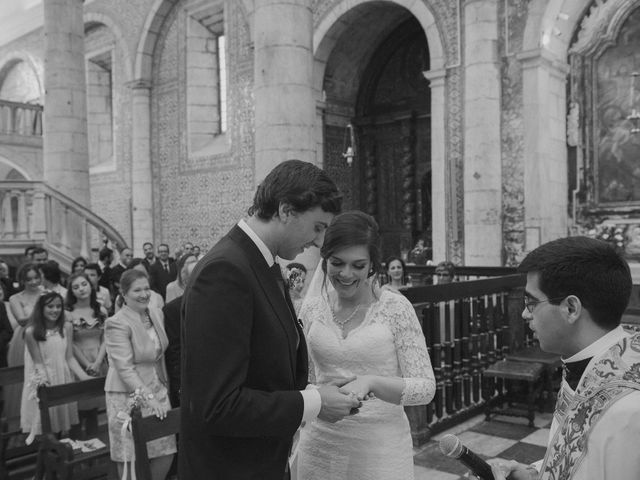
(308, 311)
(411, 349)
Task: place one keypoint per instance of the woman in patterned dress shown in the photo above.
(136, 341)
(87, 317)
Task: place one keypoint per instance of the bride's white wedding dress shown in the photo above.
(374, 444)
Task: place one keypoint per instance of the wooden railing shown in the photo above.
(468, 326)
(20, 119)
(423, 274)
(35, 213)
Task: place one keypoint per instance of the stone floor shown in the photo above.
(508, 438)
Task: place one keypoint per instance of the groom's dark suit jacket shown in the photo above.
(241, 370)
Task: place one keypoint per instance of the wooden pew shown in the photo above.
(146, 429)
(57, 459)
(16, 461)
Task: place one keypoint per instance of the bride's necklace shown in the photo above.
(341, 322)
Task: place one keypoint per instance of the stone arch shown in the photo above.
(150, 32)
(11, 164)
(11, 59)
(99, 18)
(328, 32)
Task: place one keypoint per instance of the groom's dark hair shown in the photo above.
(299, 184)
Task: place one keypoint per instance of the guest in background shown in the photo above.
(78, 264)
(397, 275)
(187, 247)
(6, 332)
(87, 317)
(164, 270)
(126, 254)
(296, 274)
(51, 277)
(196, 252)
(50, 360)
(105, 257)
(445, 272)
(136, 342)
(6, 282)
(155, 302)
(93, 272)
(40, 255)
(172, 325)
(149, 256)
(176, 288)
(28, 254)
(21, 305)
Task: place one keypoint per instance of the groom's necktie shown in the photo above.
(277, 273)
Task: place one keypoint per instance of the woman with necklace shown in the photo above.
(357, 330)
(136, 342)
(48, 360)
(21, 305)
(87, 316)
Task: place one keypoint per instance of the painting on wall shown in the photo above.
(617, 148)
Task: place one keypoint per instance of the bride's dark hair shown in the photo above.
(350, 229)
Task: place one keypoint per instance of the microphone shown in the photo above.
(451, 446)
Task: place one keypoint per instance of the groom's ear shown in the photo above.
(285, 211)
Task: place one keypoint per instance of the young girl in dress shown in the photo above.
(87, 317)
(48, 360)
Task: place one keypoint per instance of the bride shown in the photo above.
(356, 330)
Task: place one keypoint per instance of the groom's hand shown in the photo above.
(336, 405)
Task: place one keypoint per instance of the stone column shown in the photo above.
(285, 108)
(440, 170)
(141, 176)
(65, 147)
(482, 153)
(545, 150)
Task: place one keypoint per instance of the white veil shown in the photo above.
(315, 288)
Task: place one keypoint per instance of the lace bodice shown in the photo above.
(388, 342)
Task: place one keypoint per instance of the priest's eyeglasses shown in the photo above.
(530, 304)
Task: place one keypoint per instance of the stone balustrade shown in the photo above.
(34, 213)
(20, 119)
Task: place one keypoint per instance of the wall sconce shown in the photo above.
(349, 144)
(634, 116)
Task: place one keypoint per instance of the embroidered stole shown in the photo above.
(614, 375)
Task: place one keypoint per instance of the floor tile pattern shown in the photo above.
(508, 438)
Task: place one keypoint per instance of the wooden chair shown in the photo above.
(530, 373)
(146, 429)
(56, 459)
(16, 461)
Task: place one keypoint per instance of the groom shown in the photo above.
(244, 361)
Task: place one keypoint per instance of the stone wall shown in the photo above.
(199, 196)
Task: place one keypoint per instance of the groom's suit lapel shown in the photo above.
(271, 291)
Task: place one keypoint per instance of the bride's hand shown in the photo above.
(341, 382)
(360, 387)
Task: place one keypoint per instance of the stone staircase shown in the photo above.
(33, 213)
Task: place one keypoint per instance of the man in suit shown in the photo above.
(163, 271)
(126, 255)
(244, 356)
(149, 257)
